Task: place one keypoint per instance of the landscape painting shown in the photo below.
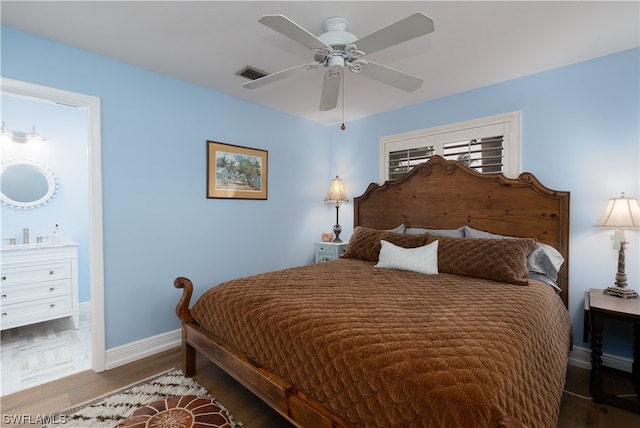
(236, 172)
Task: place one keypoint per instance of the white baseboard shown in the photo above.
(142, 348)
(581, 357)
(85, 307)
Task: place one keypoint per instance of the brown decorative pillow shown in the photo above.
(503, 260)
(365, 243)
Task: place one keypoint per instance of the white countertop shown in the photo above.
(49, 244)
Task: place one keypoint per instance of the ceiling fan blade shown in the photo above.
(290, 29)
(330, 90)
(390, 76)
(279, 75)
(412, 26)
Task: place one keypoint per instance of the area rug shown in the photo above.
(118, 406)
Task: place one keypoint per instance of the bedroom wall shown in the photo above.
(158, 223)
(580, 133)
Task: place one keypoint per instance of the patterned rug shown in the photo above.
(147, 398)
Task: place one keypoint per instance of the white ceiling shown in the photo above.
(475, 43)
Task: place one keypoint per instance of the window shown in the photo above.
(480, 154)
(401, 161)
(486, 145)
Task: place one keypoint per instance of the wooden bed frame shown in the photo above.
(439, 194)
(443, 194)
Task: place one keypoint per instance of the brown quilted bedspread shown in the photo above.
(389, 348)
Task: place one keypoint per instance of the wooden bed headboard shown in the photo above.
(442, 194)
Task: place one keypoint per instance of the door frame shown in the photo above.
(94, 159)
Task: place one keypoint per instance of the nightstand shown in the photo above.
(326, 251)
(598, 307)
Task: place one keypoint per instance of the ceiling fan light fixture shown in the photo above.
(358, 65)
(337, 48)
(336, 62)
(335, 32)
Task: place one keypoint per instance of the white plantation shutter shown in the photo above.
(488, 145)
(480, 154)
(401, 161)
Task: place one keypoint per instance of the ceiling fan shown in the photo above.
(337, 49)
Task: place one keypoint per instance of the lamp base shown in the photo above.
(336, 230)
(622, 292)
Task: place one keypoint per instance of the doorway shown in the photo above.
(91, 107)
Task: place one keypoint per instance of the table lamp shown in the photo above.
(621, 213)
(336, 194)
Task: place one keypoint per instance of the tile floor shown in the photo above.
(38, 353)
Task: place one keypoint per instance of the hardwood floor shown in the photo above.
(577, 409)
(75, 389)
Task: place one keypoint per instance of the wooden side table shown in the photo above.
(598, 307)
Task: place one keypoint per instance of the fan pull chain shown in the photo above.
(342, 128)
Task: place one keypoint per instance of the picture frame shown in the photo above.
(236, 172)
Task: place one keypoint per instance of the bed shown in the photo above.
(449, 308)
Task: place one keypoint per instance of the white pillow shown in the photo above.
(421, 259)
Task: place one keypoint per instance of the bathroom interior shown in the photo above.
(45, 242)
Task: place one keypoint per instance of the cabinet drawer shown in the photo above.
(329, 250)
(35, 273)
(35, 311)
(326, 252)
(34, 291)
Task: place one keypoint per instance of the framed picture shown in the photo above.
(236, 172)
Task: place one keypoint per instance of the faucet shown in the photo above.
(25, 235)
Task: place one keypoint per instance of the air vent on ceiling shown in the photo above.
(251, 73)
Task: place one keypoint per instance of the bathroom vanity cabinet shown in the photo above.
(39, 282)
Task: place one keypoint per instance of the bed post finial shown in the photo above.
(182, 309)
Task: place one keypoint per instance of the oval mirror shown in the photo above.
(26, 184)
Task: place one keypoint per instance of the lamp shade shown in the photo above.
(621, 212)
(336, 192)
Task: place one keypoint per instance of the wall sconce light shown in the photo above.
(336, 194)
(33, 136)
(621, 213)
(6, 136)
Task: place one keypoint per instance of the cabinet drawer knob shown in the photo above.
(4, 296)
(51, 272)
(52, 289)
(4, 278)
(53, 305)
(4, 314)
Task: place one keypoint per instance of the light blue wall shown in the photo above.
(158, 223)
(580, 134)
